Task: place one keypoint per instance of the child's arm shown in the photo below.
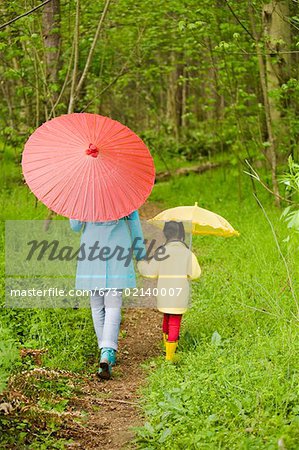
(136, 235)
(194, 268)
(148, 269)
(76, 225)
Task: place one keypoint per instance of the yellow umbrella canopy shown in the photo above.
(203, 222)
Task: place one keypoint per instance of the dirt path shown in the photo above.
(112, 406)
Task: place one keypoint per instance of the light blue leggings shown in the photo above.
(106, 316)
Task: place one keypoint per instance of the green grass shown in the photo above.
(236, 384)
(171, 163)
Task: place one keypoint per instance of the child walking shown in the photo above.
(173, 271)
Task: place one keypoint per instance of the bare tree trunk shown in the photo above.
(278, 38)
(184, 98)
(271, 151)
(218, 99)
(78, 86)
(6, 95)
(179, 95)
(171, 110)
(76, 59)
(52, 39)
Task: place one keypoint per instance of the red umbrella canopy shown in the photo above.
(88, 167)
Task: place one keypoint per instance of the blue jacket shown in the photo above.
(116, 271)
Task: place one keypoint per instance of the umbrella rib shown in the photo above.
(50, 152)
(137, 176)
(57, 173)
(111, 131)
(54, 186)
(46, 165)
(101, 192)
(133, 188)
(136, 158)
(93, 192)
(108, 190)
(64, 132)
(87, 185)
(78, 190)
(61, 205)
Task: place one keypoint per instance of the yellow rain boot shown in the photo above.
(165, 336)
(170, 350)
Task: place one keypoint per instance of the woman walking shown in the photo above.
(106, 270)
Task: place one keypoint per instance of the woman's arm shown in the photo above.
(136, 235)
(76, 225)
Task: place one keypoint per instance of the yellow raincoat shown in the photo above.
(173, 273)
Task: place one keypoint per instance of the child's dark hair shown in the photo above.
(174, 231)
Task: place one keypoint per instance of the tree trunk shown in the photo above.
(184, 98)
(171, 111)
(76, 60)
(76, 91)
(271, 151)
(277, 35)
(215, 89)
(52, 39)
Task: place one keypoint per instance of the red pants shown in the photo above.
(171, 326)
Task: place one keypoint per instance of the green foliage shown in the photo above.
(291, 182)
(9, 354)
(45, 395)
(291, 178)
(190, 73)
(290, 215)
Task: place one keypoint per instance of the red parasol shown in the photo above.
(88, 167)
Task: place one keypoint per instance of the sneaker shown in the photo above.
(108, 359)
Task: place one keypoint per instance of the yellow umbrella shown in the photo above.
(203, 222)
